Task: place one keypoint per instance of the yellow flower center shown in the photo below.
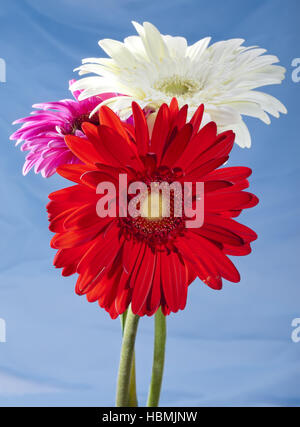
(177, 86)
(155, 206)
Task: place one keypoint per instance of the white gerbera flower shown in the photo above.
(153, 68)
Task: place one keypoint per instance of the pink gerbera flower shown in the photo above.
(42, 133)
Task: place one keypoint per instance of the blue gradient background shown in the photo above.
(231, 347)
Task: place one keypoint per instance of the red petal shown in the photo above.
(57, 223)
(122, 300)
(154, 297)
(141, 129)
(180, 119)
(91, 132)
(173, 278)
(83, 149)
(232, 174)
(118, 151)
(85, 217)
(177, 145)
(160, 131)
(223, 201)
(99, 289)
(241, 230)
(197, 119)
(224, 265)
(97, 260)
(237, 250)
(143, 281)
(130, 254)
(218, 234)
(65, 257)
(73, 172)
(108, 118)
(220, 148)
(75, 194)
(201, 142)
(137, 264)
(93, 178)
(74, 238)
(198, 174)
(173, 109)
(201, 263)
(69, 258)
(215, 185)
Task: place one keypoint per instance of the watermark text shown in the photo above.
(2, 330)
(152, 200)
(296, 71)
(2, 70)
(296, 331)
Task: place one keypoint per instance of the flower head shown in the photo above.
(149, 261)
(42, 133)
(153, 68)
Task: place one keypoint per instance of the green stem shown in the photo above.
(132, 386)
(127, 357)
(132, 400)
(158, 359)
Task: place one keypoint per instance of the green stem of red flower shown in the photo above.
(158, 358)
(127, 357)
(132, 398)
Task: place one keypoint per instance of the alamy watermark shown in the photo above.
(296, 71)
(2, 70)
(2, 330)
(153, 200)
(296, 331)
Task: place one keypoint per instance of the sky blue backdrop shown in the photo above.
(231, 347)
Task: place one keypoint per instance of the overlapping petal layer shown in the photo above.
(123, 260)
(151, 68)
(42, 133)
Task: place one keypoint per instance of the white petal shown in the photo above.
(136, 47)
(118, 52)
(242, 135)
(267, 102)
(86, 82)
(251, 109)
(93, 86)
(223, 115)
(118, 103)
(196, 50)
(154, 43)
(139, 28)
(177, 46)
(107, 62)
(94, 68)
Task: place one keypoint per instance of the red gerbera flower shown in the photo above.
(149, 262)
